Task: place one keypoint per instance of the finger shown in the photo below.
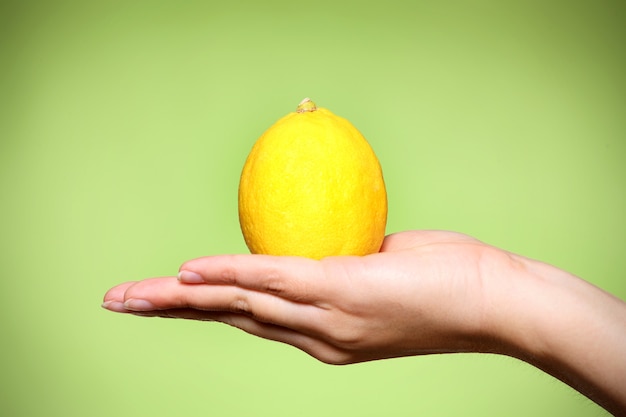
(313, 346)
(294, 278)
(168, 293)
(178, 313)
(114, 298)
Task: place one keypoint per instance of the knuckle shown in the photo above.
(334, 357)
(348, 338)
(273, 283)
(228, 275)
(240, 305)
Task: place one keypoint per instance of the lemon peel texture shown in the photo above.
(312, 186)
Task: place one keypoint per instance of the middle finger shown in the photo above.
(169, 293)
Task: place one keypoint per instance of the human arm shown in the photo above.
(426, 292)
(568, 328)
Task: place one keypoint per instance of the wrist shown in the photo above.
(563, 325)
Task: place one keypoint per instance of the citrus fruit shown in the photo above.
(312, 186)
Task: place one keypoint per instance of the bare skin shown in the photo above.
(425, 292)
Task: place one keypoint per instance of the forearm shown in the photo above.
(568, 328)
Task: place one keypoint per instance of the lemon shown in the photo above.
(312, 186)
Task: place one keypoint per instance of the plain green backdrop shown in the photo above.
(124, 126)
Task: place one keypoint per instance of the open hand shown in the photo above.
(423, 293)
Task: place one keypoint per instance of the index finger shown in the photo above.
(293, 278)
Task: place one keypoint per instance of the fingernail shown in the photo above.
(113, 306)
(135, 304)
(189, 277)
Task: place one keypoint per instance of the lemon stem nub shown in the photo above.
(306, 105)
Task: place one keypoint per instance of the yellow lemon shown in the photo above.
(312, 186)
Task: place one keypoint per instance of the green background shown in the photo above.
(124, 127)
